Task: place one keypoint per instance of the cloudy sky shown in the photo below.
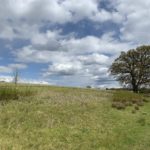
(69, 42)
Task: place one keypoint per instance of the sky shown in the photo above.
(69, 42)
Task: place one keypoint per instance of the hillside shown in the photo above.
(56, 118)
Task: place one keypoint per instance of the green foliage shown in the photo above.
(132, 68)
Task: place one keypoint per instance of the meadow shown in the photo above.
(59, 118)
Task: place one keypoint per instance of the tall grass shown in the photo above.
(15, 93)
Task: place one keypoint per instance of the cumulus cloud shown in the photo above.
(21, 19)
(93, 59)
(34, 81)
(57, 11)
(85, 59)
(5, 69)
(6, 78)
(89, 9)
(11, 67)
(97, 46)
(70, 68)
(105, 44)
(24, 80)
(137, 20)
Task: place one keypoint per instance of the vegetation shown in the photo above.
(133, 68)
(15, 93)
(72, 119)
(123, 99)
(16, 76)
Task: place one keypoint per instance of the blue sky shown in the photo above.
(69, 42)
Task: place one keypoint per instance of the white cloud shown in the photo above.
(89, 44)
(104, 15)
(90, 10)
(5, 69)
(135, 26)
(86, 57)
(11, 67)
(21, 19)
(47, 41)
(66, 48)
(24, 80)
(34, 81)
(83, 59)
(64, 69)
(27, 55)
(94, 58)
(17, 66)
(17, 29)
(6, 78)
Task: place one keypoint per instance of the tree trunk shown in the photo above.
(135, 89)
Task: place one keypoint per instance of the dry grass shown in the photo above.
(123, 99)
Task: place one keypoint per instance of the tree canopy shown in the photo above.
(132, 68)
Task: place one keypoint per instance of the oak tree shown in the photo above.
(132, 68)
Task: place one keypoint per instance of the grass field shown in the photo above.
(55, 118)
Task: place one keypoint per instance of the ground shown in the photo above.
(58, 118)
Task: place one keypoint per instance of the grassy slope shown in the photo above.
(72, 119)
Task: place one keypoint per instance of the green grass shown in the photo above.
(72, 119)
(8, 93)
